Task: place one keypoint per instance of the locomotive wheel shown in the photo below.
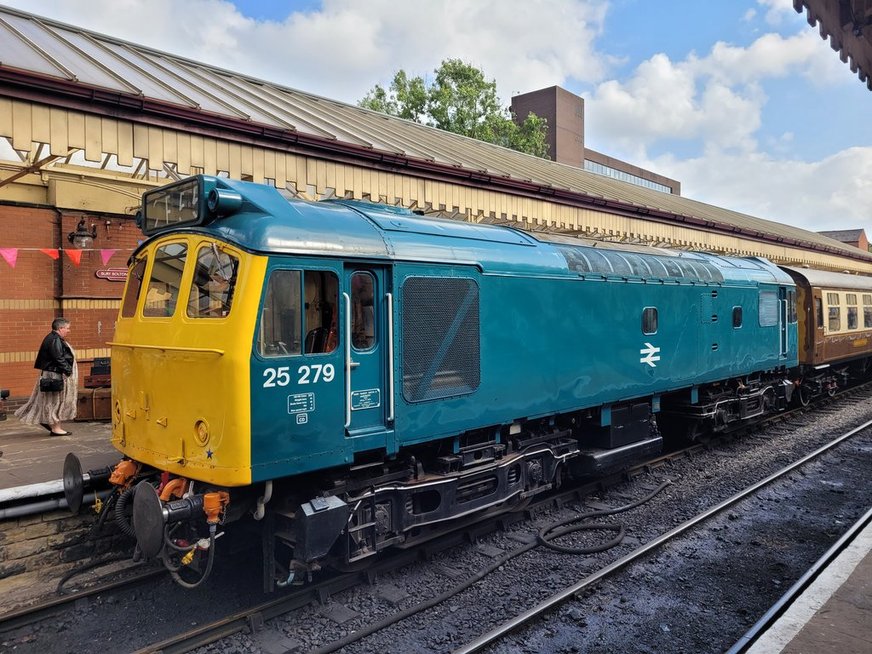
(803, 395)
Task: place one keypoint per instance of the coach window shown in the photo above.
(649, 320)
(851, 301)
(213, 284)
(134, 288)
(166, 277)
(362, 315)
(791, 306)
(867, 311)
(819, 310)
(834, 320)
(737, 317)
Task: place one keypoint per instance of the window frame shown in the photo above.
(178, 297)
(230, 294)
(373, 286)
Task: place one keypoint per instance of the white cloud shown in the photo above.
(348, 46)
(778, 12)
(833, 193)
(715, 105)
(717, 99)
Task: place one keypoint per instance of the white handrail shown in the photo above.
(390, 299)
(347, 337)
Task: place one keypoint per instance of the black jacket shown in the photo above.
(54, 355)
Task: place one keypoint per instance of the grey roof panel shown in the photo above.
(17, 51)
(833, 280)
(53, 42)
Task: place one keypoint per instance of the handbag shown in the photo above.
(49, 385)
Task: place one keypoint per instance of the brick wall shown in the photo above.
(36, 551)
(38, 288)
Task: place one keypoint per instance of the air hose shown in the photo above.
(544, 537)
(121, 519)
(174, 570)
(549, 533)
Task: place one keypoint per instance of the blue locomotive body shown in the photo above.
(355, 376)
(482, 328)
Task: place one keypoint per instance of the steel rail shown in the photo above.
(572, 591)
(248, 618)
(785, 601)
(31, 614)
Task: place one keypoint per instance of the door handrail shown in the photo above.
(390, 308)
(347, 299)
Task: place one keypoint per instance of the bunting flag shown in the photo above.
(105, 255)
(74, 255)
(10, 254)
(52, 252)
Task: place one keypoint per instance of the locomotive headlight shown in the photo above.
(223, 202)
(201, 432)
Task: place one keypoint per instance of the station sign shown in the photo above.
(112, 274)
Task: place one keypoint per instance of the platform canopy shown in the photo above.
(73, 102)
(848, 26)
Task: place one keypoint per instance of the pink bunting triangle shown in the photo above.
(10, 254)
(51, 252)
(105, 255)
(75, 256)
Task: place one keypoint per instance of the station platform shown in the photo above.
(833, 613)
(29, 455)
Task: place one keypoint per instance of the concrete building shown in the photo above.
(564, 112)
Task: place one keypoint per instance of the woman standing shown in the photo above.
(56, 360)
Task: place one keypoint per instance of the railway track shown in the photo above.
(250, 619)
(557, 599)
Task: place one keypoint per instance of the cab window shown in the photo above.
(321, 311)
(299, 313)
(166, 277)
(213, 284)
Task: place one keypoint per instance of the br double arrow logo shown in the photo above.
(650, 355)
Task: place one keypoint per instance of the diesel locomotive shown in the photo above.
(340, 377)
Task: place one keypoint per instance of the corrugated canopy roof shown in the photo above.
(38, 53)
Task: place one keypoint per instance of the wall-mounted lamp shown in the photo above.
(83, 237)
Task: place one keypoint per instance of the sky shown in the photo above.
(739, 100)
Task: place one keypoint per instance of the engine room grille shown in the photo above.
(441, 355)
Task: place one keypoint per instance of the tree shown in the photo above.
(462, 101)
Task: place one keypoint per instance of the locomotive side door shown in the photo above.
(367, 350)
